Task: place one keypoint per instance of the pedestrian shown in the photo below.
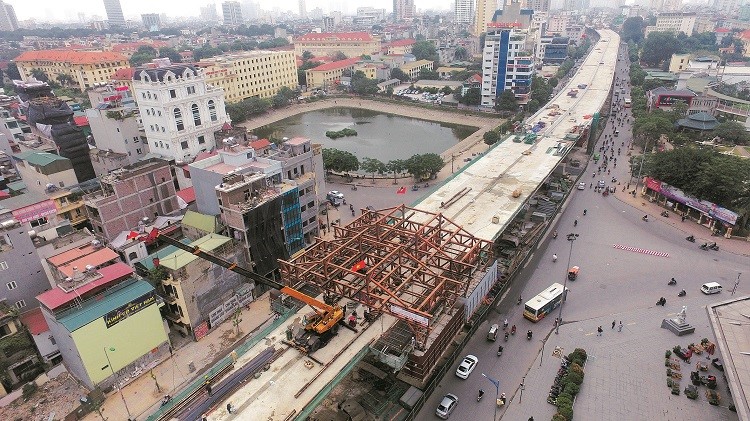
(599, 331)
(682, 218)
(613, 324)
(619, 327)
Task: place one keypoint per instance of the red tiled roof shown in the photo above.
(337, 64)
(402, 43)
(70, 255)
(336, 36)
(124, 74)
(34, 321)
(475, 78)
(96, 258)
(133, 46)
(56, 297)
(188, 194)
(81, 120)
(70, 56)
(260, 144)
(745, 34)
(723, 30)
(204, 155)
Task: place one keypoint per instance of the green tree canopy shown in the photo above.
(461, 54)
(171, 54)
(732, 132)
(424, 166)
(373, 166)
(424, 50)
(506, 101)
(491, 137)
(13, 72)
(428, 74)
(473, 97)
(362, 85)
(396, 166)
(399, 74)
(40, 75)
(649, 128)
(659, 47)
(339, 56)
(307, 55)
(339, 161)
(632, 29)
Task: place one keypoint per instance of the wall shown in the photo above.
(68, 349)
(121, 136)
(23, 267)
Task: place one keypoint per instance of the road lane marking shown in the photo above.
(641, 250)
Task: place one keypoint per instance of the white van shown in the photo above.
(711, 288)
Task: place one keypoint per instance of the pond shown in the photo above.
(379, 135)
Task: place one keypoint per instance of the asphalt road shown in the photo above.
(611, 282)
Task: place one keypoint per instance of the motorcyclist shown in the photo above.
(584, 211)
(481, 393)
(554, 234)
(575, 223)
(554, 257)
(505, 323)
(513, 329)
(645, 218)
(500, 349)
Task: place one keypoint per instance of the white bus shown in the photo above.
(627, 102)
(540, 306)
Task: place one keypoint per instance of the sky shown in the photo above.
(56, 10)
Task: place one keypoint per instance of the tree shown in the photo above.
(472, 97)
(339, 56)
(461, 54)
(424, 50)
(373, 166)
(679, 110)
(506, 101)
(649, 128)
(39, 75)
(426, 74)
(171, 54)
(361, 85)
(306, 55)
(255, 105)
(65, 79)
(533, 106)
(732, 132)
(659, 47)
(424, 166)
(446, 90)
(396, 166)
(301, 75)
(279, 100)
(13, 72)
(491, 137)
(552, 82)
(399, 74)
(339, 161)
(632, 29)
(237, 113)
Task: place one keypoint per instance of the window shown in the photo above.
(139, 151)
(38, 222)
(184, 144)
(196, 115)
(52, 340)
(178, 119)
(212, 110)
(20, 304)
(11, 285)
(136, 139)
(190, 90)
(201, 140)
(172, 93)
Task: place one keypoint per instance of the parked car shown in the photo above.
(446, 406)
(467, 366)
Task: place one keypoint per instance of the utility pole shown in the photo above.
(571, 238)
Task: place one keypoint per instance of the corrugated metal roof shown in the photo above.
(56, 297)
(39, 158)
(34, 321)
(181, 258)
(200, 221)
(95, 308)
(96, 258)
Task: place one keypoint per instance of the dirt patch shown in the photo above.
(58, 396)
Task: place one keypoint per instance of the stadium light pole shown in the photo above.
(571, 238)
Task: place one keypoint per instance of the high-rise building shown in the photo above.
(539, 5)
(403, 10)
(464, 11)
(485, 9)
(208, 13)
(302, 9)
(8, 20)
(115, 17)
(232, 12)
(151, 21)
(510, 67)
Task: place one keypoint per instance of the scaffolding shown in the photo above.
(392, 264)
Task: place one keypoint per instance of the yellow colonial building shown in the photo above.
(329, 74)
(85, 67)
(251, 73)
(413, 68)
(352, 44)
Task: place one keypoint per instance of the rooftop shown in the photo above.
(340, 64)
(69, 56)
(40, 159)
(57, 297)
(96, 258)
(182, 258)
(337, 36)
(260, 144)
(413, 64)
(200, 221)
(70, 255)
(34, 321)
(402, 42)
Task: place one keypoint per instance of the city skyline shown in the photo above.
(50, 10)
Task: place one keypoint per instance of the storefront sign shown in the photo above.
(116, 316)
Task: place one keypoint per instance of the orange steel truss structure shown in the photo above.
(401, 261)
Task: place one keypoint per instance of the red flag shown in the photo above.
(358, 266)
(153, 234)
(132, 235)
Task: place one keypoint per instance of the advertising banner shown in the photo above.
(708, 208)
(123, 312)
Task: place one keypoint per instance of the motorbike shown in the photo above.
(714, 246)
(506, 336)
(672, 282)
(529, 334)
(519, 301)
(665, 214)
(682, 293)
(661, 301)
(505, 324)
(165, 399)
(554, 257)
(554, 234)
(585, 211)
(513, 330)
(690, 238)
(575, 223)
(501, 400)
(500, 351)
(481, 393)
(645, 218)
(704, 246)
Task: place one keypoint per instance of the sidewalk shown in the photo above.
(172, 374)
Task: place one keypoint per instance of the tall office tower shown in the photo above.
(464, 11)
(208, 13)
(539, 5)
(151, 21)
(484, 11)
(302, 9)
(232, 11)
(114, 13)
(8, 21)
(403, 10)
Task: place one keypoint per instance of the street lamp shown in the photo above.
(571, 238)
(117, 379)
(497, 390)
(640, 169)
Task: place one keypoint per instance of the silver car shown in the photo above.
(447, 405)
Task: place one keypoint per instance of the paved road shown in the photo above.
(613, 284)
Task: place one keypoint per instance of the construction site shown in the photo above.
(369, 320)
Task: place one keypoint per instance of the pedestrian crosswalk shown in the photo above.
(640, 250)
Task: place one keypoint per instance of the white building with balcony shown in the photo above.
(179, 111)
(506, 65)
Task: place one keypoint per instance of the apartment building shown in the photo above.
(400, 46)
(8, 19)
(198, 294)
(505, 65)
(413, 68)
(352, 44)
(42, 171)
(18, 358)
(232, 13)
(674, 22)
(403, 10)
(87, 68)
(115, 18)
(539, 5)
(251, 73)
(179, 110)
(483, 13)
(151, 21)
(145, 189)
(463, 12)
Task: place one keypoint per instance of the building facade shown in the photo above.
(151, 21)
(674, 22)
(115, 18)
(403, 10)
(8, 20)
(413, 68)
(352, 44)
(505, 65)
(251, 74)
(87, 68)
(232, 13)
(143, 190)
(18, 357)
(485, 10)
(42, 171)
(463, 12)
(23, 277)
(179, 110)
